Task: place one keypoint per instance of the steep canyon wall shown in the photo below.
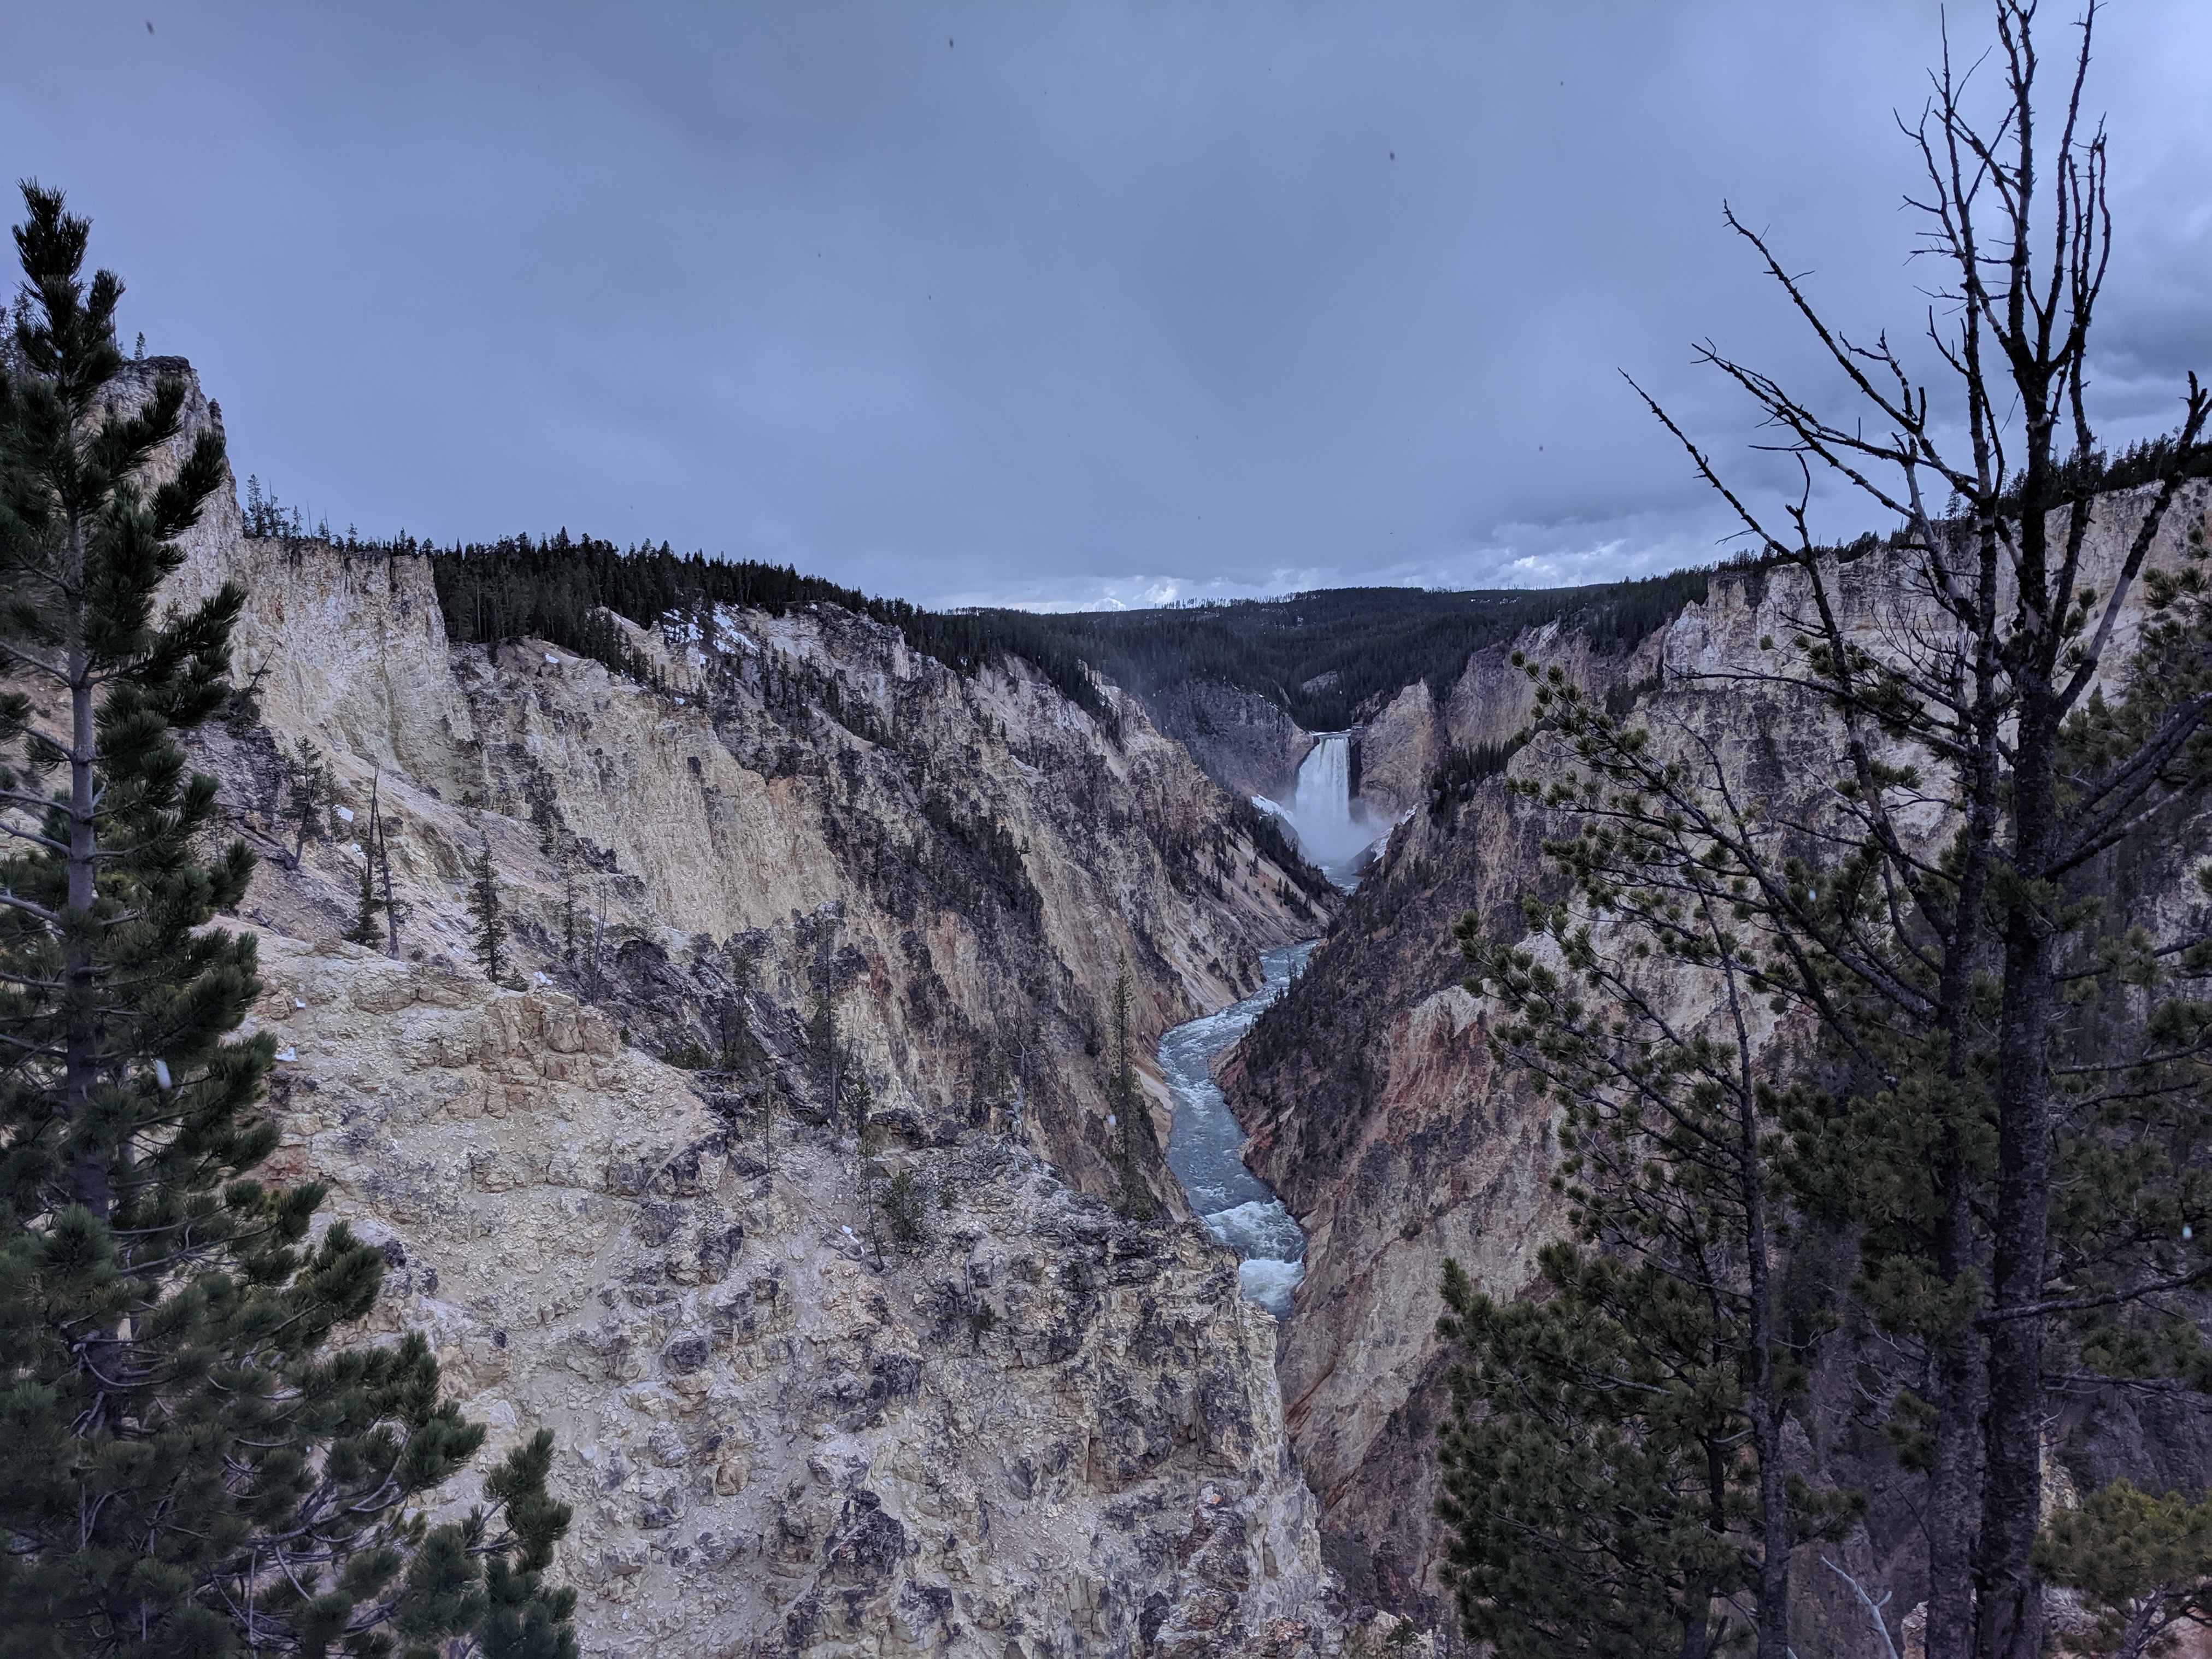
(1007, 1419)
(1375, 1110)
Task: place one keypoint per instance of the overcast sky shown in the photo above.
(1078, 303)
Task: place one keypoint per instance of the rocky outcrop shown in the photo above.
(1374, 1108)
(1033, 1427)
(1398, 750)
(1492, 700)
(1244, 743)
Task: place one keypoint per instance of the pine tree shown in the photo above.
(1972, 925)
(365, 929)
(824, 1042)
(309, 783)
(1595, 1479)
(490, 926)
(569, 914)
(1667, 1134)
(594, 954)
(740, 1051)
(379, 853)
(2141, 1565)
(179, 1472)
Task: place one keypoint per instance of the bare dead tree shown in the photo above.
(379, 853)
(1873, 1604)
(1994, 708)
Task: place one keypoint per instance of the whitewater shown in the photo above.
(1336, 833)
(1205, 1142)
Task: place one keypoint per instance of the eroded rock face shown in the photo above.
(1244, 743)
(1038, 1428)
(989, 855)
(1398, 750)
(1492, 700)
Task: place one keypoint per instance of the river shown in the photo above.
(1204, 1144)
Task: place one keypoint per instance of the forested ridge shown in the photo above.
(1323, 657)
(1327, 657)
(554, 588)
(1330, 658)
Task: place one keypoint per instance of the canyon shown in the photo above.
(1084, 1386)
(1027, 1413)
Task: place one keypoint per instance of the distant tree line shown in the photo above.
(560, 588)
(1329, 659)
(2079, 477)
(1325, 657)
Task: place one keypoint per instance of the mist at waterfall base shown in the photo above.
(1205, 1141)
(1336, 833)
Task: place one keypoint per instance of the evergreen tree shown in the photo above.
(1596, 1486)
(569, 914)
(178, 1472)
(740, 1051)
(1668, 1132)
(905, 1207)
(309, 783)
(824, 1045)
(490, 926)
(2141, 1565)
(594, 970)
(2011, 1027)
(365, 929)
(379, 853)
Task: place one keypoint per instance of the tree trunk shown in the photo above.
(1953, 1508)
(1954, 1477)
(2009, 1623)
(1766, 1402)
(89, 1176)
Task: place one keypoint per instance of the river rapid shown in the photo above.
(1205, 1142)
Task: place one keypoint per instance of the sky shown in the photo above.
(1065, 304)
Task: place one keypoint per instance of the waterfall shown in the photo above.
(1323, 808)
(1333, 830)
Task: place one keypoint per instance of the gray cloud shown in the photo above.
(1091, 304)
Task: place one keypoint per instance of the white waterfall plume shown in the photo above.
(1322, 810)
(1333, 830)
